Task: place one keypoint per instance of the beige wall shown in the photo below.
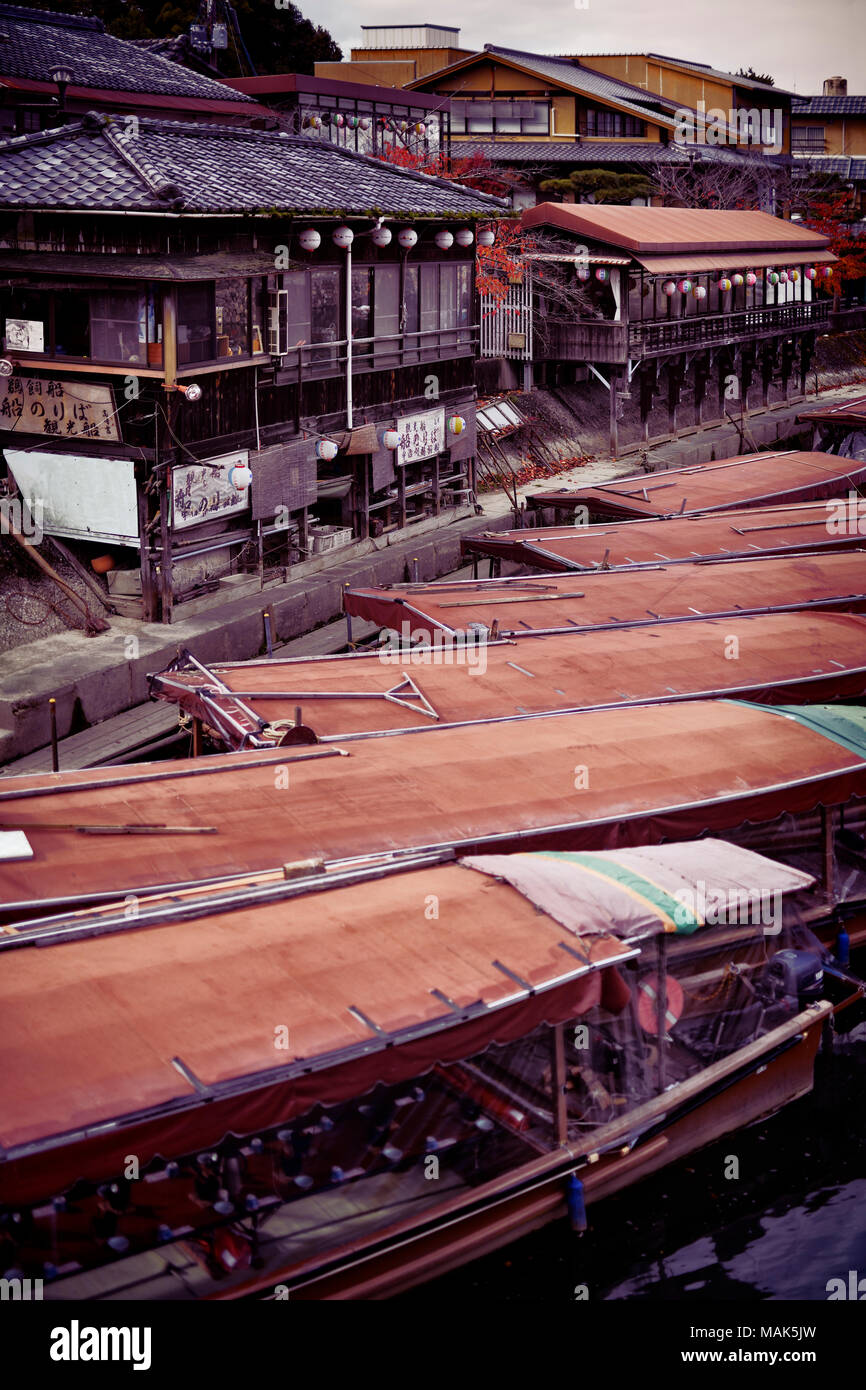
(842, 134)
(373, 74)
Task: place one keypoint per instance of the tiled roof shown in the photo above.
(571, 73)
(99, 165)
(595, 152)
(828, 106)
(842, 164)
(32, 42)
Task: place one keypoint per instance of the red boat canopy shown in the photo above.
(579, 781)
(556, 602)
(749, 480)
(804, 526)
(788, 656)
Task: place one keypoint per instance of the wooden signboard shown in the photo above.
(421, 436)
(62, 409)
(204, 491)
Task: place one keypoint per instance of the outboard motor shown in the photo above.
(797, 977)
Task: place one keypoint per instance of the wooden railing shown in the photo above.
(571, 340)
(315, 360)
(713, 328)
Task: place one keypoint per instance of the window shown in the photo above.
(231, 302)
(808, 139)
(362, 302)
(612, 125)
(500, 117)
(386, 313)
(325, 311)
(195, 324)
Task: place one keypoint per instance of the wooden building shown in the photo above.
(56, 67)
(228, 349)
(689, 312)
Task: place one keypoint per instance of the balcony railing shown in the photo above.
(316, 360)
(719, 328)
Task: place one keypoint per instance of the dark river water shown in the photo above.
(795, 1219)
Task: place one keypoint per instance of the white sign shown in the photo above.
(421, 436)
(89, 499)
(25, 335)
(203, 491)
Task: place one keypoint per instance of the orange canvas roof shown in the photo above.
(748, 480)
(556, 601)
(803, 526)
(665, 231)
(592, 780)
(785, 657)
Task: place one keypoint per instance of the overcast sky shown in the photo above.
(799, 43)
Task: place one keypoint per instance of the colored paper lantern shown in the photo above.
(737, 280)
(584, 272)
(670, 287)
(419, 127)
(407, 237)
(381, 236)
(684, 286)
(352, 122)
(315, 122)
(773, 277)
(240, 477)
(326, 449)
(390, 439)
(699, 292)
(456, 424)
(444, 240)
(343, 237)
(601, 273)
(338, 119)
(751, 278)
(783, 277)
(725, 284)
(486, 238)
(794, 275)
(465, 236)
(811, 272)
(310, 239)
(826, 271)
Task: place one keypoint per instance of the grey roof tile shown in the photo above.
(829, 106)
(32, 42)
(210, 168)
(574, 74)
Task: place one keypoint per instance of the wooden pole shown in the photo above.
(558, 1080)
(55, 755)
(828, 838)
(662, 1005)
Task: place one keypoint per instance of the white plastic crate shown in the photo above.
(329, 537)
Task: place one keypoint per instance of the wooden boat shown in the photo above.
(350, 1082)
(840, 428)
(555, 603)
(804, 526)
(596, 780)
(747, 480)
(789, 657)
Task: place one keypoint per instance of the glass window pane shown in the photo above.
(71, 325)
(232, 318)
(118, 326)
(448, 296)
(386, 312)
(194, 324)
(362, 305)
(325, 312)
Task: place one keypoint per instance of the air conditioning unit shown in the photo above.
(278, 322)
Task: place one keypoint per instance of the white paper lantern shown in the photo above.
(444, 240)
(240, 477)
(783, 277)
(465, 236)
(343, 237)
(381, 236)
(326, 449)
(364, 123)
(699, 292)
(390, 439)
(670, 287)
(486, 238)
(407, 237)
(310, 239)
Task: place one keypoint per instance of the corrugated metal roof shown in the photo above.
(688, 262)
(666, 231)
